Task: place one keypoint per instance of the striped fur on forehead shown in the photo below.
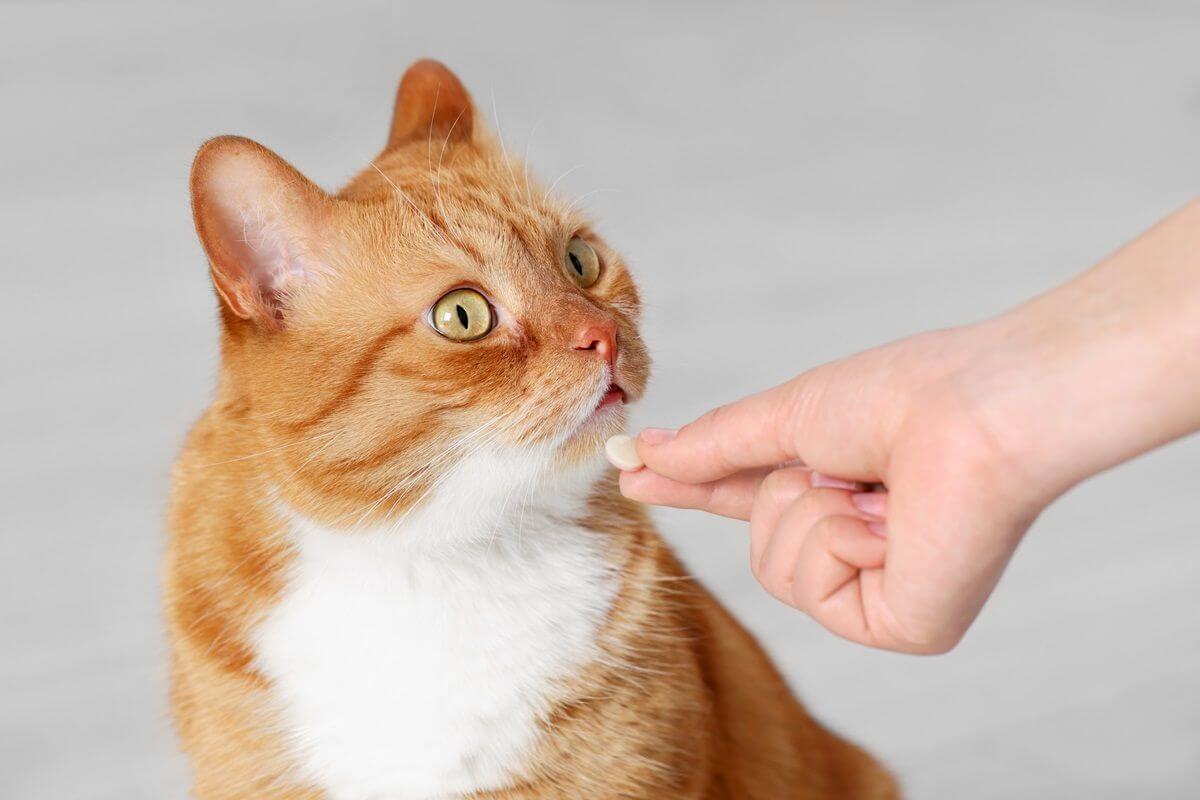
(474, 187)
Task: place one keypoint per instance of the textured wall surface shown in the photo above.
(790, 183)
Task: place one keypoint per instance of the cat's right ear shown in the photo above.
(261, 223)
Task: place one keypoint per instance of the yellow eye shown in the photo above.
(462, 315)
(581, 263)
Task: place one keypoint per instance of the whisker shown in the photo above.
(437, 178)
(400, 192)
(429, 139)
(554, 185)
(271, 449)
(525, 163)
(437, 461)
(500, 136)
(575, 203)
(324, 448)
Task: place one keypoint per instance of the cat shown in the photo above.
(398, 566)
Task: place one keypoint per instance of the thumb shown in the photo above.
(751, 432)
(804, 420)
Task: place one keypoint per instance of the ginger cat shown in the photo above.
(399, 567)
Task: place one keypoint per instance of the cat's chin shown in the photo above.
(587, 440)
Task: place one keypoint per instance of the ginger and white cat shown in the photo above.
(398, 567)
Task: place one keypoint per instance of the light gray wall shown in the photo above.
(790, 182)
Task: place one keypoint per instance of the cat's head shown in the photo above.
(441, 305)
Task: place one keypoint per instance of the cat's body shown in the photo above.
(398, 567)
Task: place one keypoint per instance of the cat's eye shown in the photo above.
(581, 263)
(463, 315)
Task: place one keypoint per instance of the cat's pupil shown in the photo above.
(576, 264)
(463, 319)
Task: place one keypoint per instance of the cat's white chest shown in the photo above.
(407, 672)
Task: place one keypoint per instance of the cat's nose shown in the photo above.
(600, 338)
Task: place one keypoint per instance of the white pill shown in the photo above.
(622, 452)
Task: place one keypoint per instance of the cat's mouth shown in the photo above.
(601, 411)
(615, 395)
(606, 405)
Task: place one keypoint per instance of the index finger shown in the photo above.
(749, 433)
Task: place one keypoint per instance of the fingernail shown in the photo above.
(820, 481)
(653, 436)
(878, 528)
(872, 503)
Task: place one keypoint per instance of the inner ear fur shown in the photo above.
(260, 222)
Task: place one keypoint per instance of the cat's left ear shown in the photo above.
(262, 225)
(431, 104)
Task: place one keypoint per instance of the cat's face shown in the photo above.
(440, 305)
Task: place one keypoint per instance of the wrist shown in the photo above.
(1036, 396)
(1102, 368)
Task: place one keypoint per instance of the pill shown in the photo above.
(622, 453)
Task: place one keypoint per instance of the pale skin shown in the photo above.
(886, 492)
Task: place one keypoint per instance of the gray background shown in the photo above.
(790, 183)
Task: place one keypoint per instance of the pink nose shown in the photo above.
(600, 338)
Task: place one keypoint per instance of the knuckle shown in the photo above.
(794, 405)
(777, 576)
(802, 571)
(704, 438)
(698, 425)
(721, 443)
(803, 595)
(756, 565)
(778, 585)
(931, 647)
(815, 505)
(825, 528)
(709, 420)
(832, 526)
(929, 640)
(779, 570)
(784, 485)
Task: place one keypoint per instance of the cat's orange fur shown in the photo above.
(335, 398)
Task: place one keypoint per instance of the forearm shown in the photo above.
(1106, 366)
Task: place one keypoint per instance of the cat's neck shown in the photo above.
(499, 498)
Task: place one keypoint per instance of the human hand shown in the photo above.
(903, 568)
(946, 446)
